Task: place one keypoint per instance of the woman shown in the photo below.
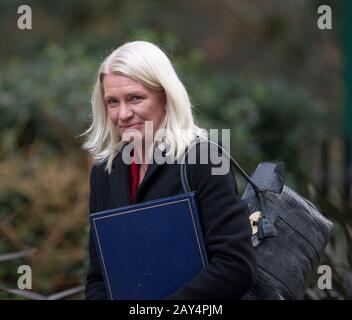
(138, 89)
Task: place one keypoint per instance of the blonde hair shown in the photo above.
(146, 63)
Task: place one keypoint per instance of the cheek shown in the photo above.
(143, 111)
(158, 112)
(150, 111)
(112, 114)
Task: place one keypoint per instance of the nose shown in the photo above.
(125, 113)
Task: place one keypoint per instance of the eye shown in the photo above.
(135, 99)
(111, 101)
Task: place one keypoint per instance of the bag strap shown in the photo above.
(265, 226)
(198, 140)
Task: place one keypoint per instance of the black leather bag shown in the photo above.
(289, 232)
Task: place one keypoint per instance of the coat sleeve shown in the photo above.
(95, 288)
(232, 268)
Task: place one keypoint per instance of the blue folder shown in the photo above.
(148, 250)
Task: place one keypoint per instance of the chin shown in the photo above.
(131, 135)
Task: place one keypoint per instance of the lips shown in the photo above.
(131, 126)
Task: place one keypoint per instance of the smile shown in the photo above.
(131, 126)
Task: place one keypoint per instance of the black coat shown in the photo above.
(224, 218)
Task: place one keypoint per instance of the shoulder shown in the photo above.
(98, 172)
(208, 164)
(207, 155)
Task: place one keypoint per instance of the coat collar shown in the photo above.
(120, 183)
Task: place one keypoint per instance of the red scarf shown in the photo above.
(134, 174)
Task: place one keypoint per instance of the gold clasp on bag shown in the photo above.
(253, 219)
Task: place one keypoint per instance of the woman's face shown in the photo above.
(129, 104)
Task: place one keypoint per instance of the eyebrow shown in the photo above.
(134, 93)
(109, 97)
